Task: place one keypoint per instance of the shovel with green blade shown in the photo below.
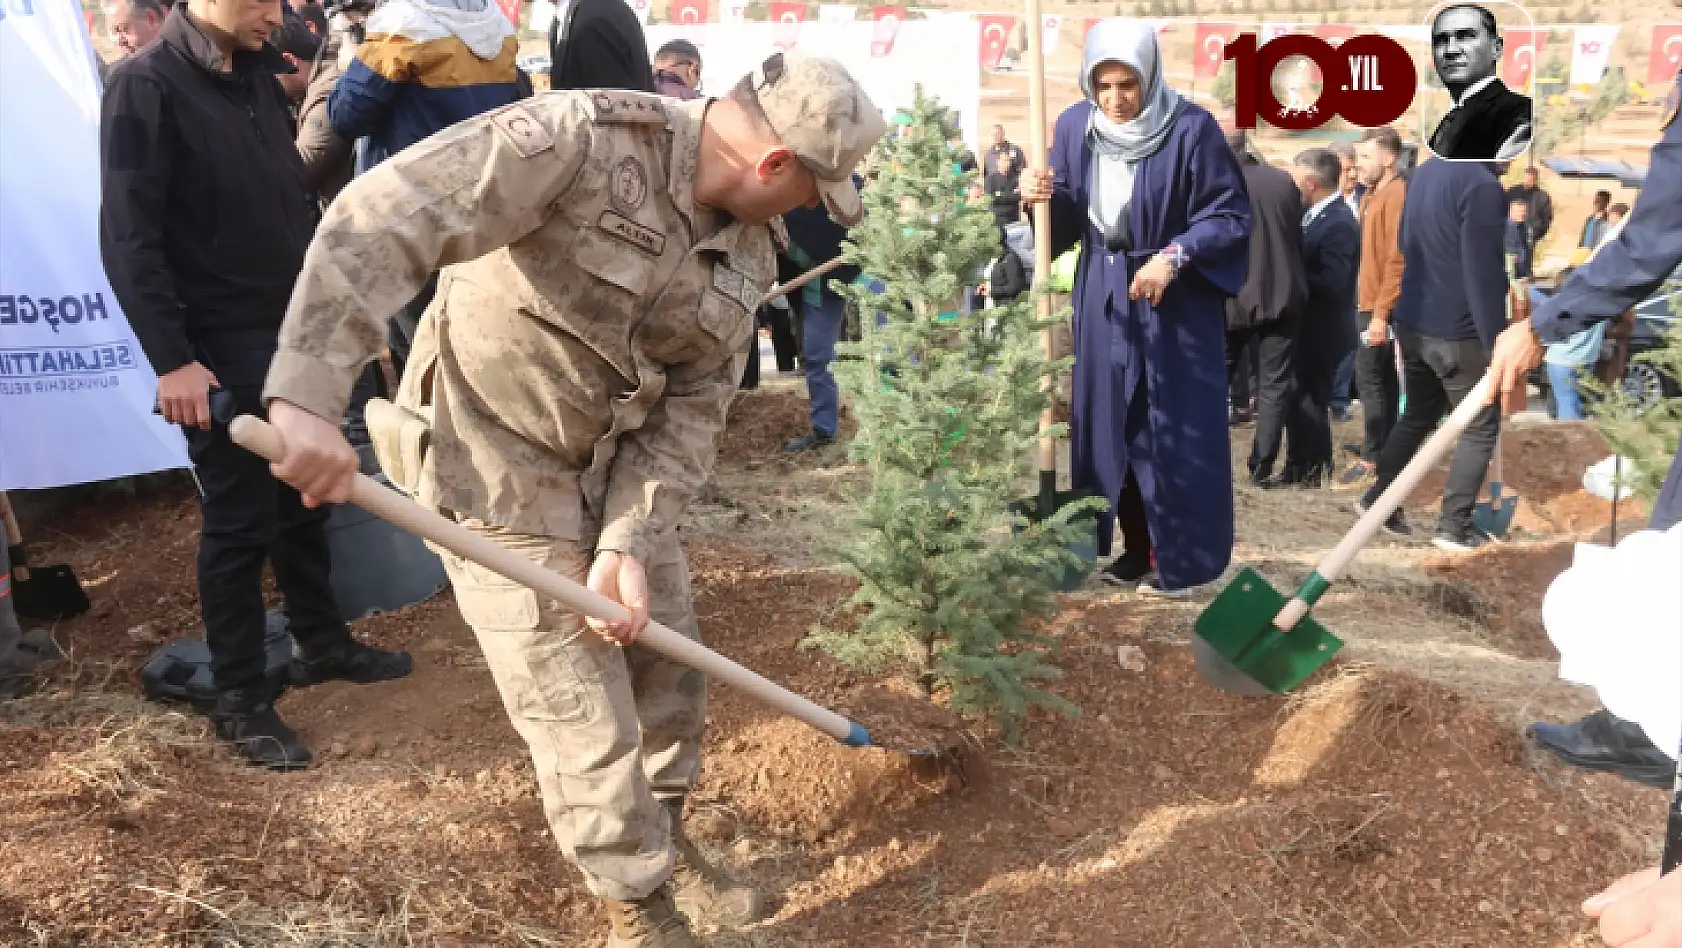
(1253, 640)
(1495, 515)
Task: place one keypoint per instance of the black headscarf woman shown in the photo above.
(599, 44)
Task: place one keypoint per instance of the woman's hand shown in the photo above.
(1036, 185)
(1151, 280)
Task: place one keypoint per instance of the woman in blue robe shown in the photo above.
(1144, 180)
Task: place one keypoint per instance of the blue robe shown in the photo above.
(1150, 382)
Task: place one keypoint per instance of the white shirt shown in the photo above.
(1319, 206)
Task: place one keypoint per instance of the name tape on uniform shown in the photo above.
(633, 233)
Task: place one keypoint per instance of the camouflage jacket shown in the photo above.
(591, 320)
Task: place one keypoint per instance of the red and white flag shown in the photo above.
(1523, 47)
(995, 36)
(1209, 48)
(511, 10)
(787, 15)
(690, 12)
(1665, 57)
(886, 22)
(1052, 32)
(1275, 30)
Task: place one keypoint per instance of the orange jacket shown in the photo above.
(1380, 280)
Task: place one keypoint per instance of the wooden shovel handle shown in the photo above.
(1038, 159)
(820, 270)
(1332, 567)
(261, 438)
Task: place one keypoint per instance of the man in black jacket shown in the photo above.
(1453, 305)
(1331, 244)
(203, 227)
(1269, 305)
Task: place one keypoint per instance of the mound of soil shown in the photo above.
(1500, 587)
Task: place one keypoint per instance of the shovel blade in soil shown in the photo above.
(1495, 515)
(1238, 630)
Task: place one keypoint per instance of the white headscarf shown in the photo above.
(1117, 147)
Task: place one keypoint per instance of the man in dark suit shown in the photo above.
(1331, 242)
(1488, 120)
(1452, 306)
(1269, 305)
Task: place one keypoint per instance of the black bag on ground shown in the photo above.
(180, 671)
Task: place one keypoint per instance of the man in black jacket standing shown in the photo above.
(599, 44)
(1331, 245)
(1453, 305)
(1269, 305)
(203, 226)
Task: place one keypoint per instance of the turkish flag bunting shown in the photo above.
(1210, 48)
(511, 10)
(995, 36)
(1334, 33)
(689, 11)
(887, 21)
(1665, 58)
(786, 11)
(1518, 59)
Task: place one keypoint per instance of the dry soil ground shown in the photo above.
(1393, 803)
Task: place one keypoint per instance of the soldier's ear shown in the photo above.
(777, 160)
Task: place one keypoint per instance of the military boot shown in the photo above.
(703, 891)
(246, 718)
(650, 922)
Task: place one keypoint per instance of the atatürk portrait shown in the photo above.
(1489, 122)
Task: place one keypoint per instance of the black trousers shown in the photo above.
(1308, 422)
(250, 517)
(783, 340)
(1240, 367)
(1275, 342)
(1440, 373)
(1376, 386)
(750, 372)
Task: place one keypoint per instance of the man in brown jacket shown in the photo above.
(1379, 285)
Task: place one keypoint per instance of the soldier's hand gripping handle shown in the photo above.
(311, 454)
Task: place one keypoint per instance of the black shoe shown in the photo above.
(247, 720)
(1126, 571)
(1355, 474)
(1352, 448)
(1396, 525)
(1609, 744)
(809, 442)
(1290, 479)
(1462, 539)
(1341, 415)
(1236, 417)
(348, 660)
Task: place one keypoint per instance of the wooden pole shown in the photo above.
(1039, 158)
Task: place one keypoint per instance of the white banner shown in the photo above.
(734, 12)
(76, 392)
(1052, 32)
(837, 13)
(1591, 50)
(1275, 30)
(954, 76)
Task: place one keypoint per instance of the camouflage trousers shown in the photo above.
(614, 733)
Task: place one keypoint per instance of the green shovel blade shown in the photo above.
(1238, 625)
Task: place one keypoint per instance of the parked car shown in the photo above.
(1655, 317)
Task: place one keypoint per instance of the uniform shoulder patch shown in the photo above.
(617, 106)
(528, 136)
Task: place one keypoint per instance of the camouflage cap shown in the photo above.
(822, 114)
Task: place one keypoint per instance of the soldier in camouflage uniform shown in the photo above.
(604, 253)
